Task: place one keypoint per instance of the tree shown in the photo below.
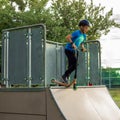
(101, 21)
(61, 18)
(65, 18)
(21, 4)
(68, 13)
(6, 18)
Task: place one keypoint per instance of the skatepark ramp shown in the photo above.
(86, 104)
(57, 103)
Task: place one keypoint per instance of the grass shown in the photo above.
(115, 93)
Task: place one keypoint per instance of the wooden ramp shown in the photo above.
(28, 104)
(86, 103)
(57, 103)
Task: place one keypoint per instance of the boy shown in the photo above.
(75, 40)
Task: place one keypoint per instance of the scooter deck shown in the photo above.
(64, 84)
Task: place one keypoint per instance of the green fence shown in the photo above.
(111, 77)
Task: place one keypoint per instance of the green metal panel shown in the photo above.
(24, 55)
(37, 56)
(82, 69)
(63, 60)
(51, 63)
(94, 63)
(55, 61)
(89, 65)
(60, 58)
(17, 66)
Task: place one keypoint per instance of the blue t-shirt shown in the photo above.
(77, 37)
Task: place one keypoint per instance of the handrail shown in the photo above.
(21, 27)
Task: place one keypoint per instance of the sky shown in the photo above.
(115, 4)
(111, 49)
(111, 42)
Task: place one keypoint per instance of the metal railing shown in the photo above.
(28, 58)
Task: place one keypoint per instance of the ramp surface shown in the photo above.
(86, 103)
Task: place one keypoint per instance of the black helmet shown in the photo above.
(84, 23)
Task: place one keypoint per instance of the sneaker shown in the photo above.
(64, 78)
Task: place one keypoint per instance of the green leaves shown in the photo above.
(67, 14)
(61, 18)
(101, 21)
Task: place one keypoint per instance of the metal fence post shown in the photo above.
(29, 58)
(56, 60)
(6, 57)
(87, 63)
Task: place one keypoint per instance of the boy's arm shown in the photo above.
(82, 45)
(69, 39)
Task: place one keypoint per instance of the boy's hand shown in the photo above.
(74, 46)
(84, 50)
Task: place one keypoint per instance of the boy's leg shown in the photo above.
(71, 64)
